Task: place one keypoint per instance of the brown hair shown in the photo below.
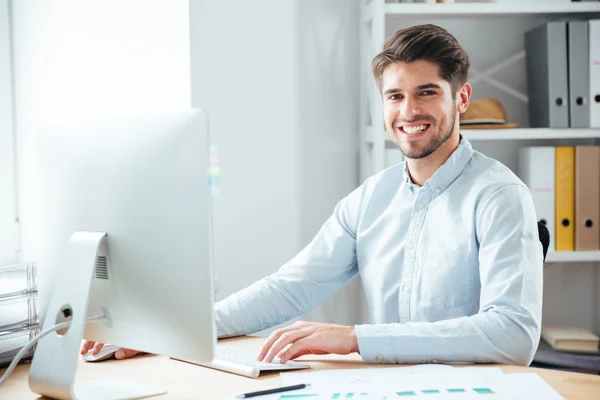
(425, 42)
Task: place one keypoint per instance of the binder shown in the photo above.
(579, 74)
(537, 170)
(594, 67)
(547, 75)
(587, 198)
(565, 198)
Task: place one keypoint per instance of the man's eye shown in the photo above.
(395, 97)
(427, 92)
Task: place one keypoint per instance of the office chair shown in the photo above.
(544, 234)
(546, 356)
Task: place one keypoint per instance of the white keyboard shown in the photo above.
(244, 363)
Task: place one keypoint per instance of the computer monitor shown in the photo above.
(126, 205)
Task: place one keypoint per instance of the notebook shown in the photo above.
(570, 338)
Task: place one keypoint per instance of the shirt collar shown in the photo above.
(448, 172)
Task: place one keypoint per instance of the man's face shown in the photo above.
(419, 111)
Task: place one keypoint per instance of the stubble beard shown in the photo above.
(435, 143)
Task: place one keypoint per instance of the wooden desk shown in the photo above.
(188, 381)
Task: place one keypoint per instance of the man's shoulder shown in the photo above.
(390, 177)
(379, 185)
(490, 172)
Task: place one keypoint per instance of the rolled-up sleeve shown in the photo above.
(319, 270)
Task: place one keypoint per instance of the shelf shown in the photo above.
(573, 256)
(517, 134)
(530, 133)
(490, 9)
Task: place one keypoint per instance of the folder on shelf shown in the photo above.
(565, 198)
(579, 74)
(11, 344)
(536, 170)
(547, 75)
(594, 70)
(587, 198)
(570, 338)
(19, 316)
(18, 280)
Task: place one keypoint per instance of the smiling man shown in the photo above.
(446, 243)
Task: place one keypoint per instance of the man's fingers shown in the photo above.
(273, 337)
(299, 348)
(97, 347)
(125, 353)
(284, 340)
(87, 345)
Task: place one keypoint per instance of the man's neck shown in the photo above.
(422, 169)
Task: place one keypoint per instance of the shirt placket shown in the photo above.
(419, 211)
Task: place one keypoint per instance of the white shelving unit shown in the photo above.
(493, 35)
(514, 134)
(572, 256)
(490, 9)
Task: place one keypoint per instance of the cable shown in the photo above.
(21, 353)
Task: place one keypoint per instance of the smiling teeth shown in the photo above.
(414, 129)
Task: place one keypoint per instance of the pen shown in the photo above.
(271, 391)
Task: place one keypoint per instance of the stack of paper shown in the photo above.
(570, 338)
(434, 382)
(19, 317)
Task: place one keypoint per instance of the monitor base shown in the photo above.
(115, 389)
(54, 365)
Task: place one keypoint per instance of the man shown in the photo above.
(446, 243)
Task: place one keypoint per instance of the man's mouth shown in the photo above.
(414, 129)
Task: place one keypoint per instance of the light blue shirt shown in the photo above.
(452, 270)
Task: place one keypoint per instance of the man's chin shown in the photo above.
(415, 153)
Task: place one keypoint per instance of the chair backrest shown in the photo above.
(544, 238)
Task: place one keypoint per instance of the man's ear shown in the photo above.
(463, 97)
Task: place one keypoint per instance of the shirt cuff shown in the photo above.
(390, 344)
(374, 347)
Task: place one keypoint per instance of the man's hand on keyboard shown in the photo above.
(96, 347)
(309, 338)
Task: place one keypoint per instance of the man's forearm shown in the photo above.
(486, 337)
(278, 298)
(252, 309)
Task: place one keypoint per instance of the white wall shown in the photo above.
(279, 80)
(280, 98)
(9, 235)
(243, 75)
(328, 131)
(78, 59)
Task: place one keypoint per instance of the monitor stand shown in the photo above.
(54, 365)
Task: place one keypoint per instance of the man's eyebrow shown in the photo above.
(429, 86)
(420, 87)
(390, 91)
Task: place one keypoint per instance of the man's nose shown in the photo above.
(409, 108)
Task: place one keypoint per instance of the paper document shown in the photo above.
(360, 376)
(434, 382)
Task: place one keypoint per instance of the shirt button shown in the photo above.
(410, 245)
(438, 191)
(435, 361)
(379, 358)
(421, 205)
(405, 288)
